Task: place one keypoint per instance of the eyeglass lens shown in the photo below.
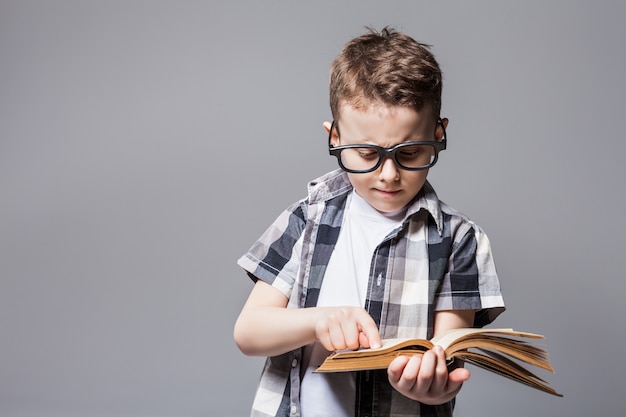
(409, 156)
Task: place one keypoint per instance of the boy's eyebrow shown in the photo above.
(411, 138)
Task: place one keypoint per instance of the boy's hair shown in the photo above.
(385, 67)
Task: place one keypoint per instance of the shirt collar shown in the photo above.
(427, 199)
(336, 183)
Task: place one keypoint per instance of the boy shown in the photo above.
(371, 253)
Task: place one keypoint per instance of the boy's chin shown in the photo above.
(388, 207)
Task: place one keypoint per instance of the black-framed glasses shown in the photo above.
(410, 156)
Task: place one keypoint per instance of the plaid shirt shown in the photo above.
(436, 260)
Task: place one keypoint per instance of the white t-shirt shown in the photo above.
(345, 284)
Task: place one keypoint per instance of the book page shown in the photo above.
(388, 345)
(446, 339)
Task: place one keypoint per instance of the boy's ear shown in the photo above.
(439, 130)
(334, 140)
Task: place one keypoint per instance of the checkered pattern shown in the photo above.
(436, 260)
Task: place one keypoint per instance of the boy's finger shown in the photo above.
(370, 331)
(363, 340)
(337, 338)
(324, 339)
(352, 335)
(408, 380)
(396, 368)
(441, 370)
(457, 377)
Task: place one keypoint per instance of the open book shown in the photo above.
(497, 350)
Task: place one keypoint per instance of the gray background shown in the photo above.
(144, 145)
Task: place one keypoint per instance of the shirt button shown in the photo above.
(294, 363)
(294, 409)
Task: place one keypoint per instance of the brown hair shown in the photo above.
(387, 67)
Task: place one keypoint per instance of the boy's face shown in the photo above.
(388, 188)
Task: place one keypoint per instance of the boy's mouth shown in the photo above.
(387, 192)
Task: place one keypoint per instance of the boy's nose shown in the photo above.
(389, 171)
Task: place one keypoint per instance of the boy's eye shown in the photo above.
(411, 151)
(367, 153)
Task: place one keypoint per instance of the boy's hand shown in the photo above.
(347, 328)
(425, 378)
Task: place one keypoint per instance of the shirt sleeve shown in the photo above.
(471, 281)
(275, 257)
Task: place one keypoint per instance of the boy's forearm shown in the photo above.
(271, 331)
(266, 327)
